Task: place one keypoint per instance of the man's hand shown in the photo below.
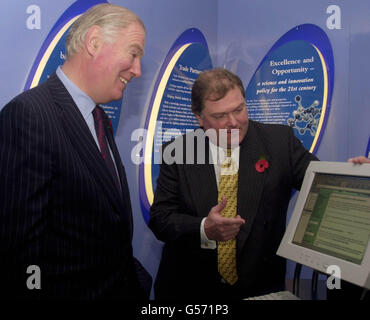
(359, 160)
(219, 228)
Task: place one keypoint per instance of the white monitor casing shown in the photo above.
(358, 274)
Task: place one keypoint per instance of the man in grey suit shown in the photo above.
(65, 207)
(188, 213)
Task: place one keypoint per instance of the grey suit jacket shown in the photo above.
(59, 207)
(186, 193)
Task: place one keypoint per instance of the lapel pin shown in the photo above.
(262, 164)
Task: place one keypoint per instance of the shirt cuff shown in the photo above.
(205, 243)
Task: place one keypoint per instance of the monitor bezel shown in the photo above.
(355, 273)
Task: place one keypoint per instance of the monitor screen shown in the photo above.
(330, 224)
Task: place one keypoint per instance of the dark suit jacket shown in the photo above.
(186, 193)
(59, 207)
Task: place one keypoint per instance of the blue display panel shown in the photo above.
(169, 113)
(293, 84)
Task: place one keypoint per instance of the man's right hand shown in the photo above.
(220, 228)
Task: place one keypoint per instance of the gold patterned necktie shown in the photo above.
(226, 250)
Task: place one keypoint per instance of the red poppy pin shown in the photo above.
(262, 164)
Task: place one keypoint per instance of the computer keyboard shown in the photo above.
(281, 295)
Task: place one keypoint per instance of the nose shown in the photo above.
(136, 68)
(231, 121)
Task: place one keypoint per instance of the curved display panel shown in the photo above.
(169, 113)
(293, 84)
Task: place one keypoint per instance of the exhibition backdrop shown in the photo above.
(303, 64)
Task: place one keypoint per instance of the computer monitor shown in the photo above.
(330, 224)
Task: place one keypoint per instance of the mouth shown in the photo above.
(123, 80)
(233, 131)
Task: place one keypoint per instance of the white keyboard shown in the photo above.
(281, 295)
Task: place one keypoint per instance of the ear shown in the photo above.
(199, 118)
(94, 40)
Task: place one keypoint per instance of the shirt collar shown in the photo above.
(219, 154)
(84, 103)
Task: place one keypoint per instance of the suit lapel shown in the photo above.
(203, 186)
(202, 180)
(82, 140)
(250, 182)
(121, 173)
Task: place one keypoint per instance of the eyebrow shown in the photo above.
(242, 104)
(138, 48)
(237, 107)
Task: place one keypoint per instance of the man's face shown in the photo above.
(228, 113)
(117, 63)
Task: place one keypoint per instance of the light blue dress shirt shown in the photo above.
(85, 104)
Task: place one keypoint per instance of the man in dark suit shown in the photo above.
(191, 214)
(187, 213)
(65, 209)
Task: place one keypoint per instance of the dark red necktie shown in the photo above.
(102, 139)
